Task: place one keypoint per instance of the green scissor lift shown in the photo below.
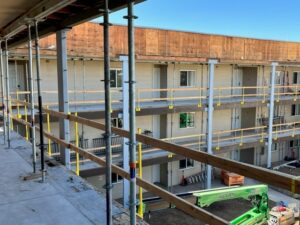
(257, 194)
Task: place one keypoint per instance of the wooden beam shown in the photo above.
(278, 179)
(181, 204)
(267, 176)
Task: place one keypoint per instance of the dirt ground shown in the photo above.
(227, 210)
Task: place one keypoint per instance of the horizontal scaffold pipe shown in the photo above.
(180, 203)
(278, 179)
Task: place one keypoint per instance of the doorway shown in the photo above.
(160, 81)
(247, 156)
(249, 79)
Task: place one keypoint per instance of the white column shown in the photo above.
(210, 110)
(125, 116)
(271, 114)
(63, 96)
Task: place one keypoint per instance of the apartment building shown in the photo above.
(172, 75)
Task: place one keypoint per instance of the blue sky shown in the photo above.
(267, 19)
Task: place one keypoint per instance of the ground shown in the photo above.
(227, 210)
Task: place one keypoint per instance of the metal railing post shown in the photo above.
(7, 95)
(132, 125)
(37, 56)
(2, 94)
(108, 171)
(31, 99)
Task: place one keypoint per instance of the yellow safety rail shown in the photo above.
(141, 205)
(11, 113)
(26, 120)
(77, 145)
(49, 131)
(18, 107)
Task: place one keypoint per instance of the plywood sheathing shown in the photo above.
(86, 40)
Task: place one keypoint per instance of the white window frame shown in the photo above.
(192, 82)
(297, 110)
(188, 127)
(117, 84)
(186, 164)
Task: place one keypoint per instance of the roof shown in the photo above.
(54, 15)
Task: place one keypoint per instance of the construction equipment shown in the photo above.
(257, 194)
(284, 215)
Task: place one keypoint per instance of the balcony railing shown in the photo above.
(173, 96)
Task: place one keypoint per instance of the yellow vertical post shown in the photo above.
(138, 108)
(49, 131)
(262, 135)
(18, 106)
(171, 106)
(218, 144)
(242, 136)
(294, 130)
(219, 99)
(77, 145)
(200, 98)
(278, 94)
(264, 94)
(140, 210)
(26, 119)
(11, 114)
(243, 96)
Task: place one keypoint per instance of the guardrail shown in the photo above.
(197, 95)
(277, 179)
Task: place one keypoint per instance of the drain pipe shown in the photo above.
(7, 95)
(2, 94)
(132, 125)
(108, 185)
(31, 99)
(38, 79)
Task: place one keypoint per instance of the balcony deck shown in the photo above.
(63, 199)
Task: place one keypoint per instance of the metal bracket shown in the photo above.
(108, 187)
(130, 17)
(131, 144)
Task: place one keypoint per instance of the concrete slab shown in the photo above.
(63, 198)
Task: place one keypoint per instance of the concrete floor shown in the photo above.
(63, 199)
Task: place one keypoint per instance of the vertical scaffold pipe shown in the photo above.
(37, 56)
(108, 184)
(132, 125)
(7, 94)
(2, 95)
(31, 100)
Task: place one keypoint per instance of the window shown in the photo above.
(117, 122)
(294, 143)
(116, 78)
(115, 178)
(187, 78)
(186, 120)
(276, 111)
(296, 77)
(186, 163)
(275, 147)
(295, 110)
(279, 75)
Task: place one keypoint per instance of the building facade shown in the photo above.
(172, 75)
